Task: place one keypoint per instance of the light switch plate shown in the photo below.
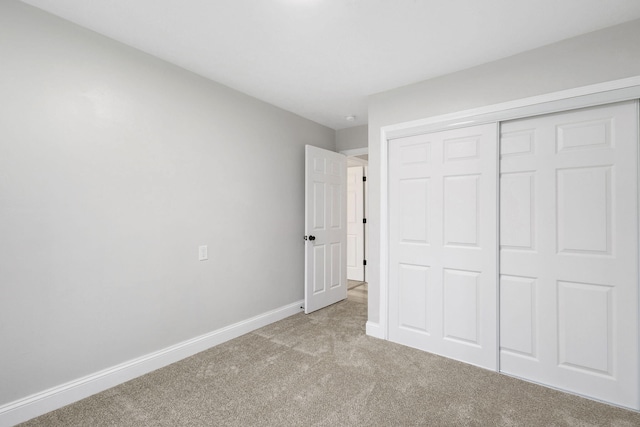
(203, 254)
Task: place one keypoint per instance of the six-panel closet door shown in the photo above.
(443, 243)
(569, 251)
(567, 282)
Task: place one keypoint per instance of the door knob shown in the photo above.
(312, 237)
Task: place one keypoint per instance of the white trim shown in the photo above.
(354, 162)
(355, 151)
(374, 330)
(581, 97)
(384, 235)
(40, 403)
(638, 219)
(598, 94)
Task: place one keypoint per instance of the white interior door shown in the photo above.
(443, 243)
(569, 254)
(355, 225)
(325, 228)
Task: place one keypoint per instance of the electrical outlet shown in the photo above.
(203, 253)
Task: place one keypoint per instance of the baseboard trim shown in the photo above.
(56, 397)
(374, 330)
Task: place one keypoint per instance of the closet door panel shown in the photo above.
(568, 251)
(443, 243)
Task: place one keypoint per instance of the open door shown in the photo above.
(325, 228)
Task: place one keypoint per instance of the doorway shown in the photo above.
(357, 164)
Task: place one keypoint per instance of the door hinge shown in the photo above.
(364, 262)
(364, 220)
(364, 178)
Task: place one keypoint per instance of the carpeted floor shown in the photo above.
(321, 370)
(359, 293)
(354, 283)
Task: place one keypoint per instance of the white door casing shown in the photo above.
(365, 213)
(443, 243)
(325, 228)
(355, 225)
(569, 251)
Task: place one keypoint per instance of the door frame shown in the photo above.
(352, 155)
(359, 269)
(581, 97)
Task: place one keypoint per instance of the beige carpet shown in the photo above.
(321, 370)
(354, 283)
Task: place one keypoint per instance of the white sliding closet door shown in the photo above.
(569, 251)
(443, 243)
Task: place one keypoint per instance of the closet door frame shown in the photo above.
(586, 96)
(591, 96)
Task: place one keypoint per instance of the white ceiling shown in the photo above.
(322, 58)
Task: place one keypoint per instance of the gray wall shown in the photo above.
(114, 167)
(605, 55)
(352, 138)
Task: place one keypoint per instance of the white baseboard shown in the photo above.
(48, 400)
(374, 330)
